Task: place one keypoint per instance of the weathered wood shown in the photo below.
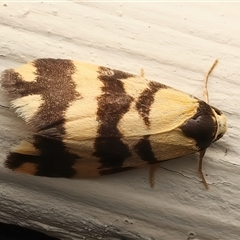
(175, 44)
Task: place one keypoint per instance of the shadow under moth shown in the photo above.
(89, 120)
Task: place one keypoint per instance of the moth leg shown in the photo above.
(205, 90)
(153, 168)
(142, 73)
(4, 106)
(202, 152)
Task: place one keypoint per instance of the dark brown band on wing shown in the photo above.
(201, 127)
(113, 103)
(57, 88)
(14, 83)
(146, 99)
(15, 160)
(144, 150)
(53, 160)
(53, 82)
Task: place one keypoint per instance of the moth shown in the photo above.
(88, 120)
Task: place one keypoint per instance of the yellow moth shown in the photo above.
(89, 120)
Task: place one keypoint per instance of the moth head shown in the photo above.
(206, 126)
(221, 123)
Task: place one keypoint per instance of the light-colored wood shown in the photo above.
(175, 43)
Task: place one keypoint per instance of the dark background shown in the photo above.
(13, 232)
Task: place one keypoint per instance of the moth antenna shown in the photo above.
(202, 152)
(153, 168)
(205, 90)
(206, 99)
(142, 73)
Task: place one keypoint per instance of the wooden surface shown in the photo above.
(175, 43)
